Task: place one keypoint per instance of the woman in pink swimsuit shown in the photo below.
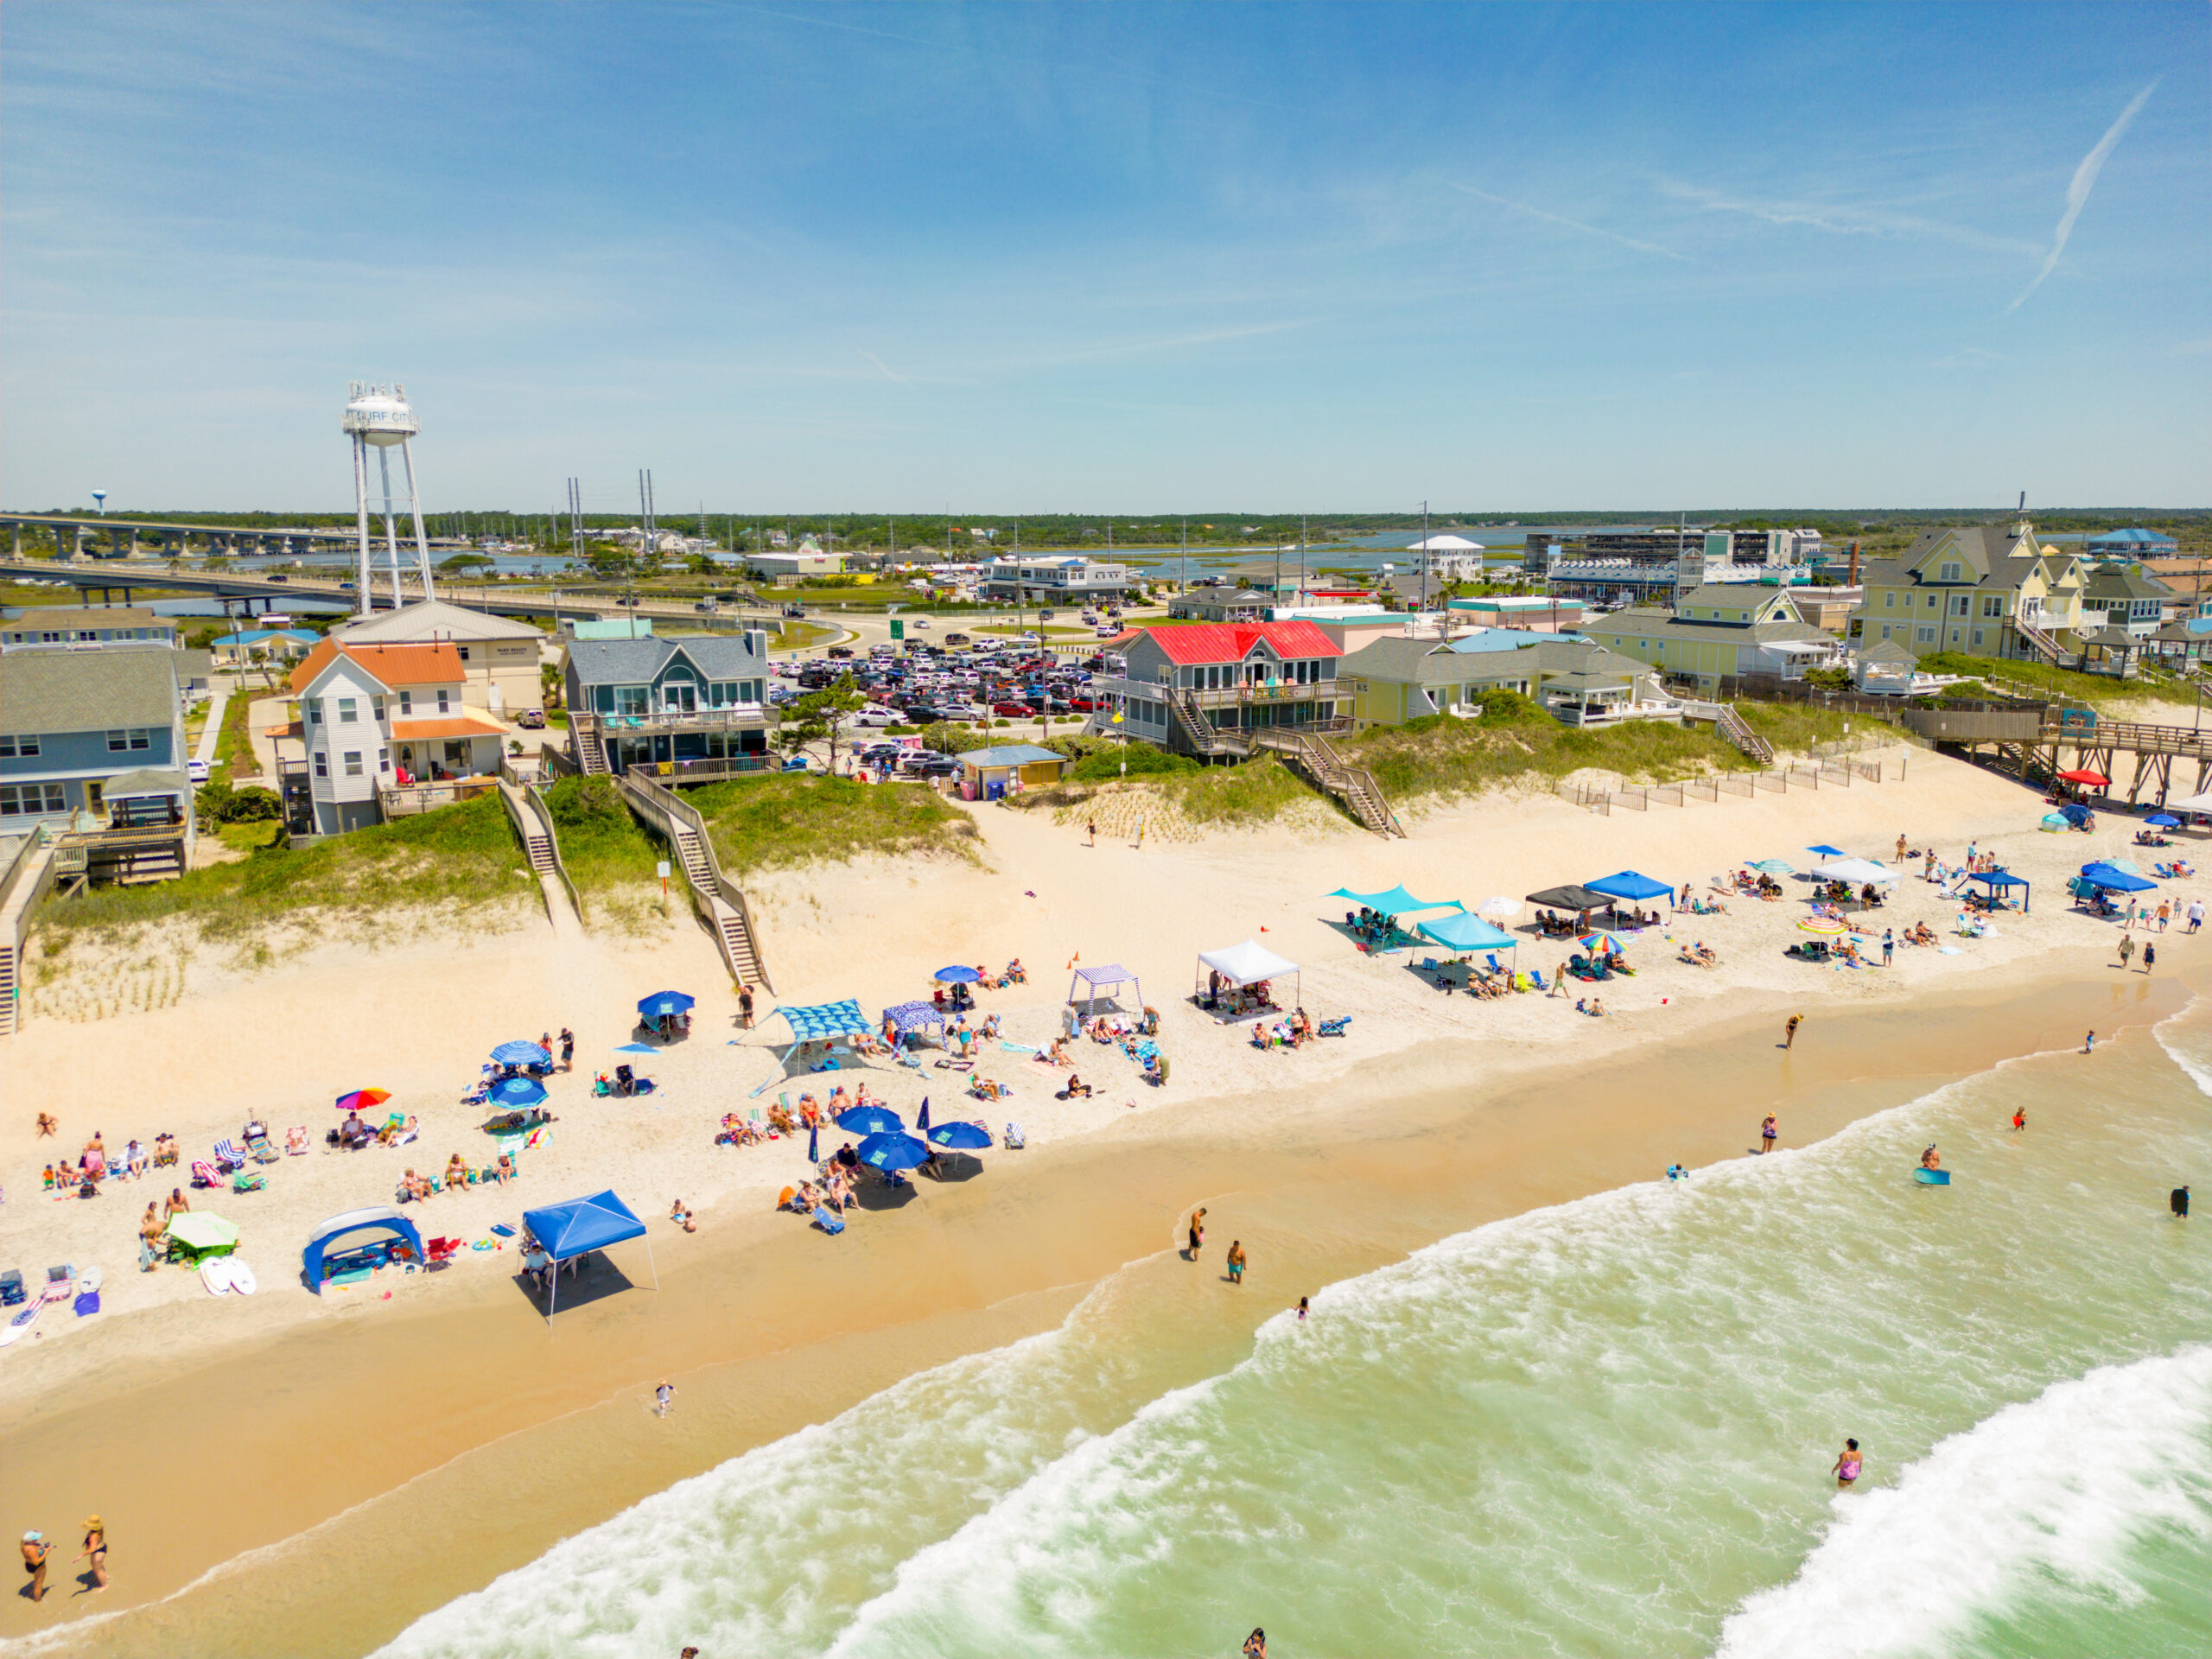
(1846, 1466)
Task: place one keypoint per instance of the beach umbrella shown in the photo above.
(200, 1230)
(814, 1143)
(1827, 852)
(1823, 925)
(1598, 939)
(363, 1099)
(891, 1150)
(955, 975)
(1774, 866)
(2054, 821)
(511, 1093)
(961, 1137)
(2124, 865)
(637, 1048)
(870, 1120)
(2163, 821)
(923, 1121)
(1499, 907)
(665, 1002)
(520, 1053)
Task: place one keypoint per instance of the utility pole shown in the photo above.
(1424, 557)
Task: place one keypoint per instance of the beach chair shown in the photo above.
(242, 1182)
(262, 1151)
(1332, 1028)
(295, 1141)
(11, 1287)
(205, 1173)
(1012, 1138)
(439, 1252)
(228, 1157)
(829, 1220)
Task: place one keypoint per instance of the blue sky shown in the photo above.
(1111, 258)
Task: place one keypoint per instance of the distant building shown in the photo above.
(1220, 604)
(1545, 613)
(807, 560)
(2129, 600)
(2131, 545)
(1448, 559)
(1393, 681)
(1053, 582)
(1720, 631)
(1985, 589)
(87, 626)
(265, 645)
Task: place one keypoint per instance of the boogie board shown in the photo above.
(88, 1282)
(242, 1279)
(215, 1274)
(1932, 1176)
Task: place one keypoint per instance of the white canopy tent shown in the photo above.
(1239, 965)
(2194, 804)
(1857, 871)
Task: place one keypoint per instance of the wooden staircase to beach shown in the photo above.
(591, 750)
(1314, 756)
(2042, 644)
(533, 825)
(720, 903)
(1203, 736)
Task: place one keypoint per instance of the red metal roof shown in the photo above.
(1229, 642)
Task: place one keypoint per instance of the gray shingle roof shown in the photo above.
(635, 662)
(85, 691)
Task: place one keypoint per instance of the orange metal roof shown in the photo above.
(390, 665)
(462, 725)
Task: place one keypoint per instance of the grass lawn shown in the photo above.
(788, 819)
(461, 854)
(234, 761)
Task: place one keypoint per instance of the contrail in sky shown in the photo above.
(1571, 224)
(2084, 179)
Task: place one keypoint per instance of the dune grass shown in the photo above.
(464, 854)
(1515, 740)
(602, 844)
(2060, 685)
(788, 819)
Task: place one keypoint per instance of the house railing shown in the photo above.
(744, 714)
(410, 799)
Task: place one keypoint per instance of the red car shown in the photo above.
(1085, 705)
(1014, 710)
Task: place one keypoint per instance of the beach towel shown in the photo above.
(1018, 1048)
(89, 1302)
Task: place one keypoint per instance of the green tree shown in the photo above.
(820, 715)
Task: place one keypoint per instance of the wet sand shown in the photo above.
(314, 1493)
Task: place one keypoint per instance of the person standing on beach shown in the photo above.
(2019, 1119)
(2126, 952)
(1236, 1262)
(662, 1395)
(2177, 1201)
(96, 1549)
(36, 1550)
(1302, 1306)
(2089, 1044)
(1090, 833)
(1790, 1032)
(2165, 914)
(2196, 914)
(745, 1006)
(1901, 847)
(1769, 1132)
(568, 1049)
(1198, 1232)
(1846, 1466)
(1889, 945)
(2150, 955)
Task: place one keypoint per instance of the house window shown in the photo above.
(20, 743)
(463, 650)
(322, 763)
(444, 708)
(314, 706)
(31, 799)
(406, 701)
(137, 737)
(1925, 636)
(378, 704)
(352, 763)
(346, 711)
(1993, 605)
(1947, 573)
(1977, 637)
(1889, 601)
(1885, 630)
(1931, 601)
(384, 759)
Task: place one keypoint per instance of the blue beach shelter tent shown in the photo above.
(354, 1228)
(665, 1002)
(569, 1230)
(1396, 901)
(1630, 885)
(1465, 932)
(822, 1022)
(2002, 881)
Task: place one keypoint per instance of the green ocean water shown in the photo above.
(1601, 1428)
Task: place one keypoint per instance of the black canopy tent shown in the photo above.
(1572, 898)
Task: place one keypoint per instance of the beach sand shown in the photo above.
(458, 1434)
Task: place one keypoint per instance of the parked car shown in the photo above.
(840, 652)
(918, 622)
(867, 718)
(531, 720)
(196, 771)
(1011, 710)
(943, 766)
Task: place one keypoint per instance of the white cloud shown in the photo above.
(2077, 193)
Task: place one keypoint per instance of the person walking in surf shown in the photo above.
(1197, 1233)
(1236, 1262)
(1846, 1466)
(1790, 1032)
(2019, 1119)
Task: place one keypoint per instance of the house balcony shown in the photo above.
(406, 800)
(744, 716)
(1263, 692)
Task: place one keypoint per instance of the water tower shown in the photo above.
(380, 418)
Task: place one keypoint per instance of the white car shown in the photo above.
(196, 771)
(874, 717)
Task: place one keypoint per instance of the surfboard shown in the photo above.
(215, 1274)
(20, 1324)
(1932, 1176)
(242, 1279)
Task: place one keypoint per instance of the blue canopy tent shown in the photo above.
(1107, 976)
(1468, 933)
(2115, 881)
(376, 1219)
(824, 1023)
(1999, 880)
(1395, 902)
(581, 1225)
(1631, 886)
(908, 1018)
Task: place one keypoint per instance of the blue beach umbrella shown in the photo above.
(891, 1151)
(813, 1143)
(961, 1137)
(665, 1002)
(923, 1121)
(955, 975)
(518, 1092)
(2163, 821)
(870, 1120)
(520, 1053)
(1827, 852)
(637, 1048)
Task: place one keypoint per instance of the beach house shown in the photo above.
(87, 626)
(91, 748)
(386, 731)
(1720, 630)
(1220, 604)
(690, 706)
(1190, 687)
(499, 656)
(1393, 681)
(1986, 590)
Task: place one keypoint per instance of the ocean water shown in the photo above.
(1601, 1428)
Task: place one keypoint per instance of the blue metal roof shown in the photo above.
(1008, 754)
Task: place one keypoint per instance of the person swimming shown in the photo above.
(1929, 1160)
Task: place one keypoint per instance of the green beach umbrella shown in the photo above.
(1775, 867)
(197, 1230)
